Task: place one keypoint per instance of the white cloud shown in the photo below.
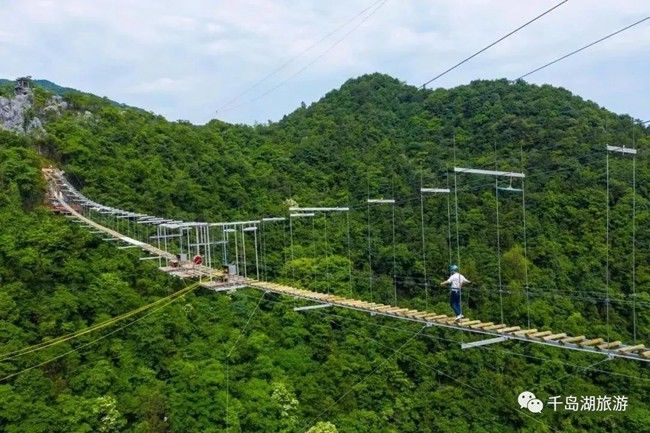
(186, 59)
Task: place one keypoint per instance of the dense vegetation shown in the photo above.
(286, 371)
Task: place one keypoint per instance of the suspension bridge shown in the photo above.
(184, 249)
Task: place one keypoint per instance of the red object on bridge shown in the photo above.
(197, 259)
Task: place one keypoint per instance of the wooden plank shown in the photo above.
(554, 336)
(471, 322)
(631, 348)
(508, 329)
(482, 325)
(539, 334)
(356, 304)
(413, 313)
(610, 345)
(593, 342)
(524, 332)
(397, 310)
(573, 339)
(495, 327)
(436, 316)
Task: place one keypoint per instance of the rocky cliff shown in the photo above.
(19, 113)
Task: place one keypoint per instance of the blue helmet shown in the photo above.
(453, 268)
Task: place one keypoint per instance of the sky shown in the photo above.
(251, 61)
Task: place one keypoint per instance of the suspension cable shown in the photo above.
(284, 240)
(424, 247)
(313, 249)
(457, 229)
(607, 246)
(293, 264)
(327, 268)
(347, 218)
(369, 245)
(243, 248)
(449, 223)
(633, 238)
(394, 251)
(263, 241)
(496, 199)
(523, 212)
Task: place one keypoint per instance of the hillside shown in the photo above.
(372, 137)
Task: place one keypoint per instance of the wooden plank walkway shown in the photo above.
(184, 270)
(614, 349)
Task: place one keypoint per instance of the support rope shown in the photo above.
(327, 253)
(523, 212)
(394, 250)
(634, 243)
(369, 244)
(347, 218)
(424, 247)
(496, 197)
(607, 248)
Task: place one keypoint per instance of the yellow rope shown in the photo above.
(109, 322)
(94, 340)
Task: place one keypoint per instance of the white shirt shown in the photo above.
(457, 281)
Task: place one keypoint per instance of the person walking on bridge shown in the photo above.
(456, 281)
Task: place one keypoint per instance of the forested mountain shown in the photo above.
(374, 137)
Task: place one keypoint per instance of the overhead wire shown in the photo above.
(93, 328)
(493, 44)
(316, 59)
(366, 377)
(559, 59)
(90, 343)
(289, 61)
(229, 354)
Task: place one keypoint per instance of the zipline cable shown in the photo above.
(90, 342)
(229, 354)
(367, 376)
(493, 43)
(316, 59)
(583, 48)
(297, 56)
(109, 322)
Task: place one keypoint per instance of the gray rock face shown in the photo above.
(12, 111)
(55, 106)
(35, 126)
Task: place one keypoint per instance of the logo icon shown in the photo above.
(528, 400)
